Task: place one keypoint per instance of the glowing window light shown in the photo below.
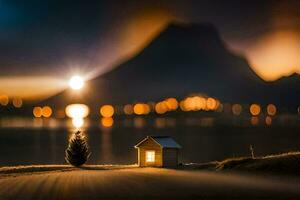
(128, 109)
(255, 109)
(4, 100)
(271, 109)
(17, 102)
(77, 110)
(107, 121)
(76, 82)
(237, 109)
(37, 112)
(107, 111)
(77, 122)
(46, 111)
(150, 156)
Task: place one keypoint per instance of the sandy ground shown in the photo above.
(143, 183)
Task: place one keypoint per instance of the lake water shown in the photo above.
(37, 141)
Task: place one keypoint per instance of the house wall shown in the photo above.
(170, 157)
(149, 145)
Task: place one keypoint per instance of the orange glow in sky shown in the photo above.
(271, 56)
(30, 87)
(275, 55)
(135, 34)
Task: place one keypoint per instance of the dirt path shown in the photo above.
(145, 183)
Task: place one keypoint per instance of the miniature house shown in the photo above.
(158, 151)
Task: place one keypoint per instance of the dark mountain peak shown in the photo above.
(191, 28)
(295, 77)
(184, 59)
(204, 32)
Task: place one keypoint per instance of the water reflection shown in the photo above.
(43, 140)
(161, 122)
(78, 122)
(37, 122)
(106, 147)
(254, 121)
(268, 120)
(139, 122)
(107, 122)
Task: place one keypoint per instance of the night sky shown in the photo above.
(43, 43)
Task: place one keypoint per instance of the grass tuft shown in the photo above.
(285, 163)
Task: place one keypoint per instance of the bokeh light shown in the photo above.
(107, 111)
(268, 120)
(237, 109)
(147, 109)
(211, 104)
(141, 109)
(255, 109)
(271, 109)
(171, 103)
(182, 105)
(161, 107)
(138, 109)
(128, 109)
(17, 102)
(37, 111)
(78, 122)
(4, 100)
(196, 103)
(77, 110)
(107, 121)
(46, 111)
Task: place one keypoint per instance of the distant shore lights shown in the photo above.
(77, 112)
(255, 109)
(107, 111)
(45, 111)
(4, 100)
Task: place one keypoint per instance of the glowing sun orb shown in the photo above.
(76, 82)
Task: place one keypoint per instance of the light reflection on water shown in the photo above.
(43, 141)
(141, 122)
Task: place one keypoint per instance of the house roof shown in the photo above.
(163, 141)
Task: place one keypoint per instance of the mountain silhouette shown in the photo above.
(182, 59)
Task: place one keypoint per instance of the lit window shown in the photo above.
(150, 156)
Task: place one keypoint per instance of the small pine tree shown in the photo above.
(77, 152)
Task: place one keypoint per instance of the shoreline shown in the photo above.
(280, 164)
